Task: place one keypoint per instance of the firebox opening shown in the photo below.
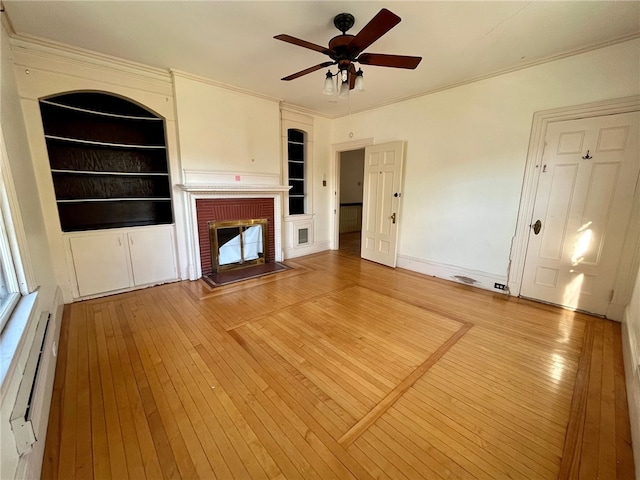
(238, 243)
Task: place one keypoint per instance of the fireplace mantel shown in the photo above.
(199, 184)
(216, 181)
(233, 188)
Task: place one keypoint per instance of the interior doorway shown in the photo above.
(350, 190)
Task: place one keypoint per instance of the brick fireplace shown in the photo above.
(222, 196)
(222, 209)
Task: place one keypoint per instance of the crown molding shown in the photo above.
(497, 73)
(290, 107)
(197, 78)
(52, 49)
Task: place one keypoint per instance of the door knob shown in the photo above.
(536, 227)
(393, 217)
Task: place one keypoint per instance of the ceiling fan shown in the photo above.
(345, 50)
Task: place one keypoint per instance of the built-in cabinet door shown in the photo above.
(101, 263)
(152, 255)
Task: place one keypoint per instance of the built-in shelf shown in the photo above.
(92, 172)
(84, 200)
(296, 167)
(103, 144)
(104, 114)
(108, 162)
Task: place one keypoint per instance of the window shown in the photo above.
(296, 155)
(9, 288)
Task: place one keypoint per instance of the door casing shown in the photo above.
(336, 150)
(630, 261)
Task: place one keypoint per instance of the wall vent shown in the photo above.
(303, 236)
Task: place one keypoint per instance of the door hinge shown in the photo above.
(611, 295)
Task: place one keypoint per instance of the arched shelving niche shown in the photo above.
(108, 159)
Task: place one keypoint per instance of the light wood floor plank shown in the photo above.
(135, 464)
(101, 466)
(261, 380)
(54, 428)
(624, 453)
(67, 463)
(117, 457)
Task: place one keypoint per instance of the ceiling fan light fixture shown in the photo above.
(344, 89)
(359, 85)
(329, 84)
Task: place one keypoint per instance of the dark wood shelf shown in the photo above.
(108, 162)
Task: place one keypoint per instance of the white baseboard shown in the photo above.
(632, 379)
(453, 273)
(301, 251)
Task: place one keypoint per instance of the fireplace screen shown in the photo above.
(238, 243)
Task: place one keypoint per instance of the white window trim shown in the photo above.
(9, 274)
(21, 304)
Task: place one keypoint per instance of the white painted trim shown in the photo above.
(307, 250)
(51, 48)
(13, 339)
(303, 111)
(529, 187)
(228, 180)
(194, 265)
(304, 123)
(453, 273)
(334, 173)
(16, 236)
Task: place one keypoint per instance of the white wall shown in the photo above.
(466, 151)
(40, 274)
(225, 130)
(322, 194)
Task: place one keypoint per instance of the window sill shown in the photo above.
(13, 336)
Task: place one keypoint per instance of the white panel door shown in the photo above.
(101, 263)
(583, 205)
(381, 202)
(153, 257)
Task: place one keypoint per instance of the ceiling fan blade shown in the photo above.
(303, 43)
(372, 31)
(382, 60)
(308, 70)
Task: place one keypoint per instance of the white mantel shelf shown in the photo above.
(233, 188)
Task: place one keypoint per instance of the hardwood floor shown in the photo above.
(337, 368)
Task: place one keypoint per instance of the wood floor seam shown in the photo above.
(387, 402)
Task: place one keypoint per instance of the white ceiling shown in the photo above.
(232, 42)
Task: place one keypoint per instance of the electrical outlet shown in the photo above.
(499, 286)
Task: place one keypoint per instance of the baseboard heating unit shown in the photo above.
(21, 415)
